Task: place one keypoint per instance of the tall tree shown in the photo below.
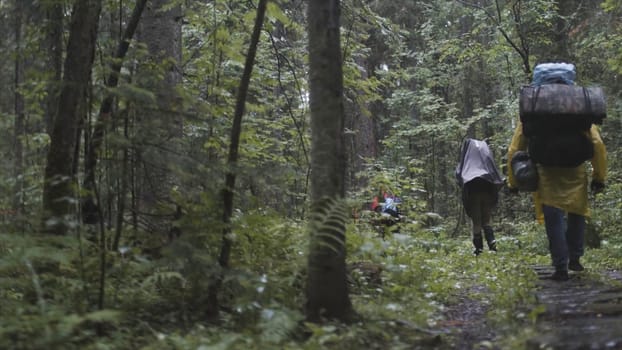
(19, 129)
(58, 187)
(90, 212)
(234, 144)
(327, 292)
(161, 124)
(54, 45)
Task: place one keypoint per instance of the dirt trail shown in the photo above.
(467, 322)
(582, 313)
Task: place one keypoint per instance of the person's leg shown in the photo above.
(474, 211)
(490, 237)
(575, 234)
(555, 231)
(487, 205)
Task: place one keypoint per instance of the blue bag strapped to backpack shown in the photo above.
(554, 73)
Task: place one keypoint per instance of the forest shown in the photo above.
(200, 174)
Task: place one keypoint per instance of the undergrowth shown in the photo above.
(401, 288)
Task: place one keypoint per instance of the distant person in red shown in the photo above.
(387, 206)
(480, 181)
(375, 204)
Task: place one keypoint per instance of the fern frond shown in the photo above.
(328, 224)
(331, 236)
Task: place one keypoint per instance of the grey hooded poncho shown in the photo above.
(476, 160)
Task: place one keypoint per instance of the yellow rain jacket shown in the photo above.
(564, 188)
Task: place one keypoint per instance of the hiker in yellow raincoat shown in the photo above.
(563, 191)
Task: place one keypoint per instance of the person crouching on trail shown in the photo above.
(480, 181)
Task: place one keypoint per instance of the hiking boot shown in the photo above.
(478, 243)
(490, 238)
(575, 265)
(492, 245)
(560, 275)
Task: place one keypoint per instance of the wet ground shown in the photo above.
(584, 312)
(468, 324)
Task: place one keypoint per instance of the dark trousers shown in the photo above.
(566, 236)
(478, 206)
(479, 198)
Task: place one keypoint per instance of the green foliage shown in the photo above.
(274, 140)
(427, 74)
(606, 221)
(46, 296)
(423, 273)
(428, 272)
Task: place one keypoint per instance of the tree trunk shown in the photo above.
(327, 292)
(54, 41)
(236, 130)
(19, 128)
(361, 142)
(559, 45)
(58, 187)
(90, 209)
(121, 196)
(158, 132)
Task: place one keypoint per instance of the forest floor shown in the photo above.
(582, 313)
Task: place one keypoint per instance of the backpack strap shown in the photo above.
(534, 98)
(588, 100)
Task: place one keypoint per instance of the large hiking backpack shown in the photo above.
(557, 116)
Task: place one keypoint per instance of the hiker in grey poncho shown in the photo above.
(479, 178)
